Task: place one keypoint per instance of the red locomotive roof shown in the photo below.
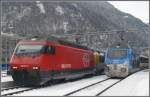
(46, 40)
(33, 42)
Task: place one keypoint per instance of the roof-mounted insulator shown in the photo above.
(33, 39)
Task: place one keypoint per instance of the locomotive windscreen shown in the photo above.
(28, 49)
(114, 54)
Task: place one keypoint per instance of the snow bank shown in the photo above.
(135, 85)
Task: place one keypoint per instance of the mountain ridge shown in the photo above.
(70, 17)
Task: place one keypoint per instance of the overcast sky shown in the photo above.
(139, 9)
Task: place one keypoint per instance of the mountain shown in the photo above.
(41, 18)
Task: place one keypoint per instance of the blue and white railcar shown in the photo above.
(120, 62)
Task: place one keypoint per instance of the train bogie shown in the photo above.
(25, 77)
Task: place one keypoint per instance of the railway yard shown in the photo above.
(136, 84)
(72, 49)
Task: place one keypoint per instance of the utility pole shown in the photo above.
(1, 61)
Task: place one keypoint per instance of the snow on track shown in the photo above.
(63, 89)
(12, 90)
(95, 89)
(135, 85)
(5, 89)
(8, 84)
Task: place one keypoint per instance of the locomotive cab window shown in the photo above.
(28, 49)
(114, 54)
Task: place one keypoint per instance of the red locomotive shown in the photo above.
(44, 59)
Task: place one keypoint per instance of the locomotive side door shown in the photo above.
(51, 51)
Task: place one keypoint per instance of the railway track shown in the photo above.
(22, 88)
(19, 89)
(108, 87)
(97, 89)
(86, 87)
(94, 89)
(83, 91)
(104, 86)
(15, 91)
(10, 88)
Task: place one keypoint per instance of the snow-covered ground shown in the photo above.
(13, 90)
(62, 89)
(95, 89)
(135, 85)
(5, 77)
(4, 73)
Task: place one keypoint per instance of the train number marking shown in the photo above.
(65, 66)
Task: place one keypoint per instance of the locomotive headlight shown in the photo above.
(123, 69)
(14, 67)
(35, 67)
